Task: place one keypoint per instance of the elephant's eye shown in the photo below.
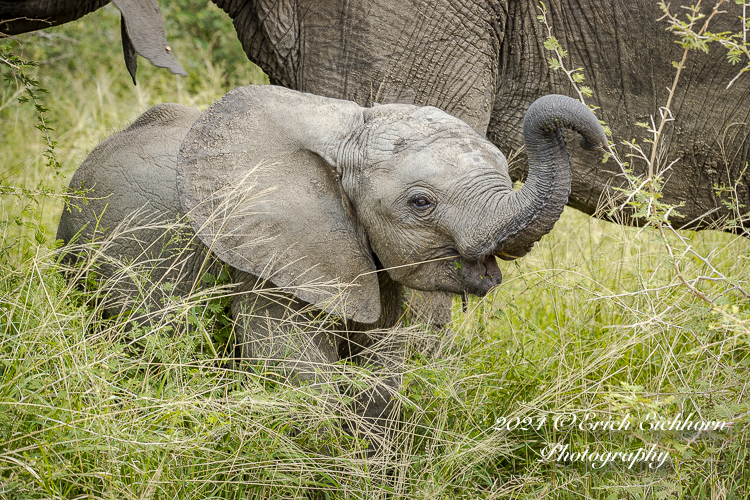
(421, 202)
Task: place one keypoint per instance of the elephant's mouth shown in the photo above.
(480, 276)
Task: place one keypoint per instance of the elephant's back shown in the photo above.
(132, 215)
(131, 175)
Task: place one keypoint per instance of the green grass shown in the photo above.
(594, 319)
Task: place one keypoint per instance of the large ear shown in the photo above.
(259, 176)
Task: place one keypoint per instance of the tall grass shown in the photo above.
(596, 319)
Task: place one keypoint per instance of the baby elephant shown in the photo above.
(324, 211)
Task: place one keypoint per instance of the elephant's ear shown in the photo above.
(143, 33)
(257, 176)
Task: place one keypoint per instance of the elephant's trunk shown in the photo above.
(30, 15)
(538, 204)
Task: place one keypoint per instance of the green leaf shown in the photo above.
(551, 43)
(554, 64)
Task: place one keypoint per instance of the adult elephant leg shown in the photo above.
(440, 53)
(630, 72)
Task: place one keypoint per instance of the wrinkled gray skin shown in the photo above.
(336, 206)
(483, 61)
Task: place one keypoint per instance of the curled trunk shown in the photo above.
(538, 204)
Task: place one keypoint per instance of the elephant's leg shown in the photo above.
(289, 338)
(432, 309)
(272, 326)
(381, 353)
(145, 270)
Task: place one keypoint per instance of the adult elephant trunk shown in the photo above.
(18, 17)
(538, 204)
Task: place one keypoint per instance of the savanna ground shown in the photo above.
(629, 324)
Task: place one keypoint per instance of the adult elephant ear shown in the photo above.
(143, 34)
(259, 177)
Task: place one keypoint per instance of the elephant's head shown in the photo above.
(314, 193)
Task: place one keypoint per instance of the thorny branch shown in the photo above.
(655, 211)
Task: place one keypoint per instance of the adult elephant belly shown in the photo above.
(627, 58)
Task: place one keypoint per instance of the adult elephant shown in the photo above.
(484, 62)
(142, 26)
